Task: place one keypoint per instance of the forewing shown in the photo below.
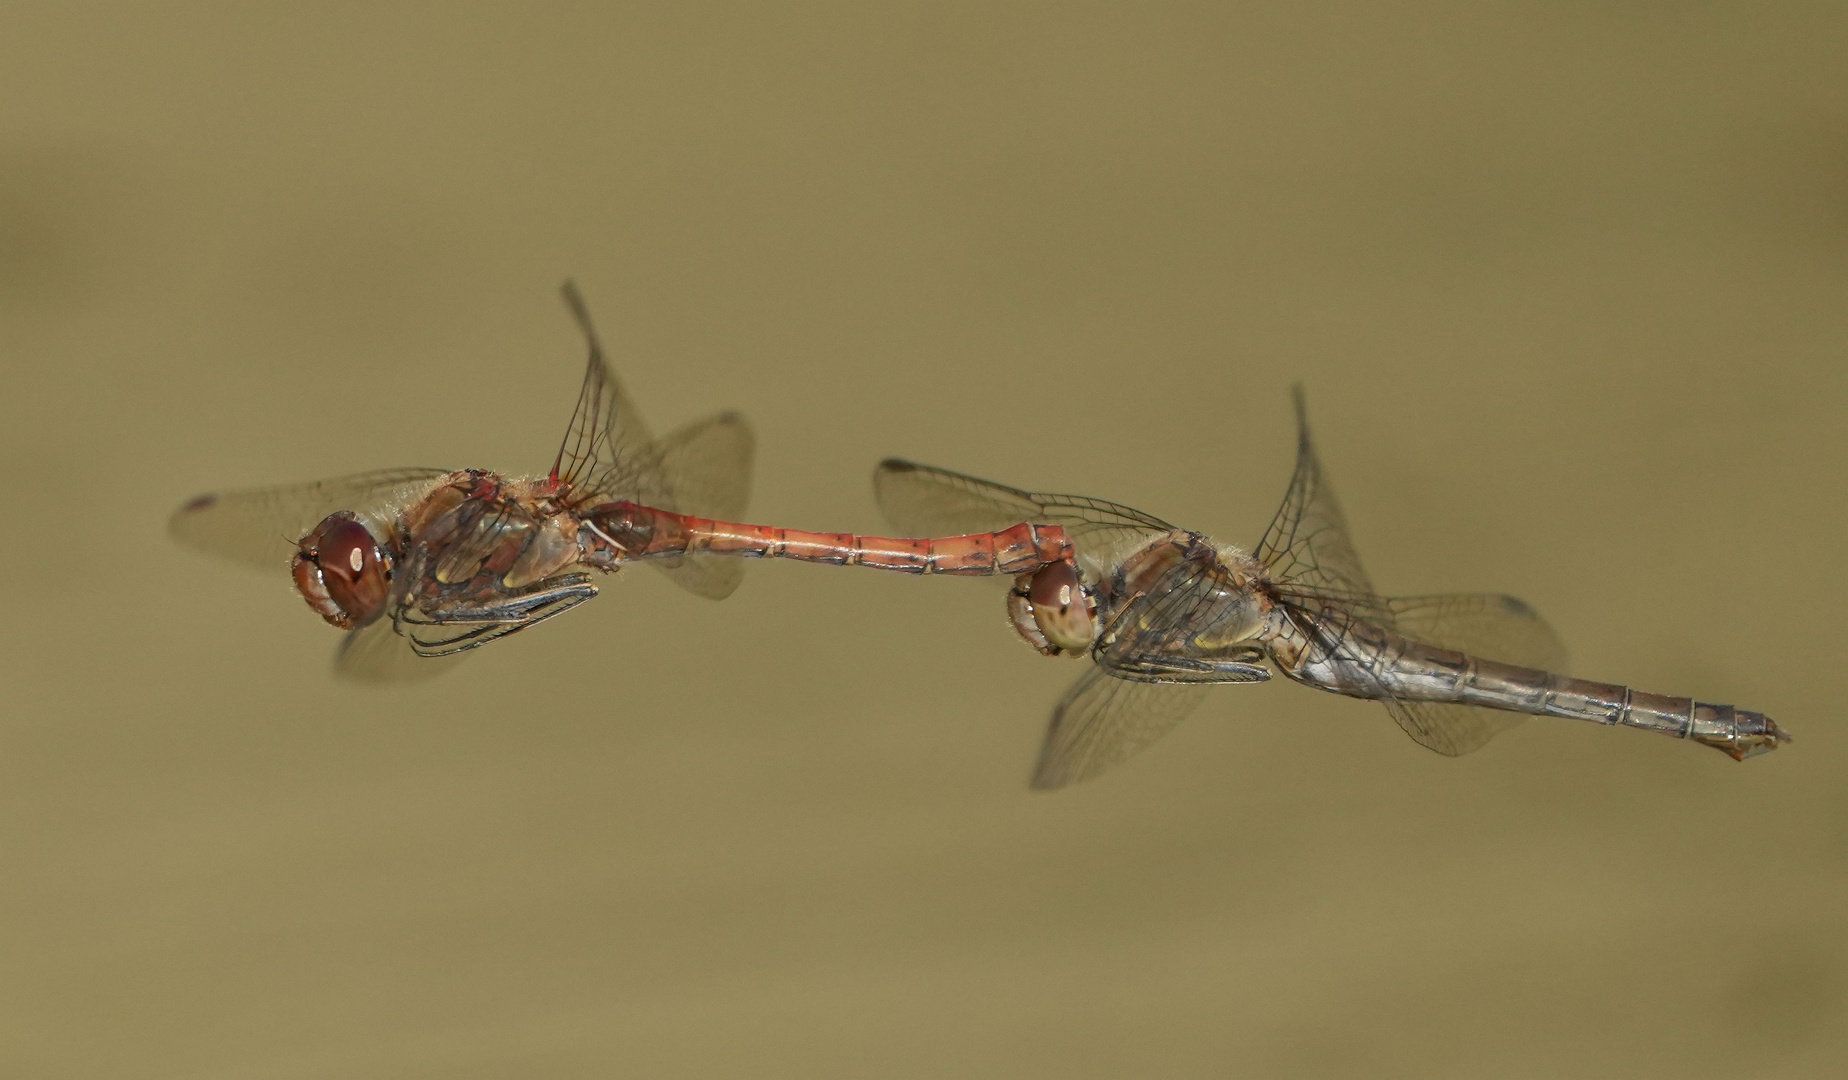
(1318, 572)
(606, 451)
(921, 500)
(1102, 721)
(705, 470)
(259, 527)
(1307, 547)
(924, 501)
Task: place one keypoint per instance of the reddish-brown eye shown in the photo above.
(341, 571)
(1061, 608)
(345, 550)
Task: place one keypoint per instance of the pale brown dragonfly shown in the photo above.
(422, 564)
(1164, 612)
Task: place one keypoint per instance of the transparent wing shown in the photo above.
(1486, 625)
(1450, 729)
(1102, 721)
(924, 501)
(702, 469)
(706, 471)
(1359, 649)
(259, 527)
(708, 467)
(378, 653)
(714, 577)
(1318, 572)
(1307, 547)
(606, 450)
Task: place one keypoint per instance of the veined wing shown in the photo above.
(1102, 721)
(1306, 547)
(702, 469)
(1490, 626)
(1448, 728)
(1318, 572)
(924, 501)
(259, 527)
(706, 467)
(1485, 625)
(607, 454)
(1482, 625)
(606, 451)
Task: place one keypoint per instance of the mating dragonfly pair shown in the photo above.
(421, 565)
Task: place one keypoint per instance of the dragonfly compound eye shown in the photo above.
(1063, 610)
(341, 571)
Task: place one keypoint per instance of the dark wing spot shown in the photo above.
(199, 502)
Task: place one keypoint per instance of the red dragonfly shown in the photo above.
(1163, 612)
(421, 564)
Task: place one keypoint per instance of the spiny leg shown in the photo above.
(475, 626)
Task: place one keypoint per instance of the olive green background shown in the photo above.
(1568, 287)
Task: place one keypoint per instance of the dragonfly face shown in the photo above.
(343, 573)
(1054, 610)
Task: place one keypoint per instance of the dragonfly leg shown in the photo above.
(1237, 664)
(458, 628)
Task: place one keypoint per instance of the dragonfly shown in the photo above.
(422, 565)
(1164, 612)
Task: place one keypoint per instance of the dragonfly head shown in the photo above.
(342, 571)
(1054, 610)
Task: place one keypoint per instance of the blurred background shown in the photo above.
(1567, 285)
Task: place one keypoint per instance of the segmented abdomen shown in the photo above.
(642, 532)
(1360, 659)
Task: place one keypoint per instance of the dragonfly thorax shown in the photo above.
(484, 535)
(1218, 587)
